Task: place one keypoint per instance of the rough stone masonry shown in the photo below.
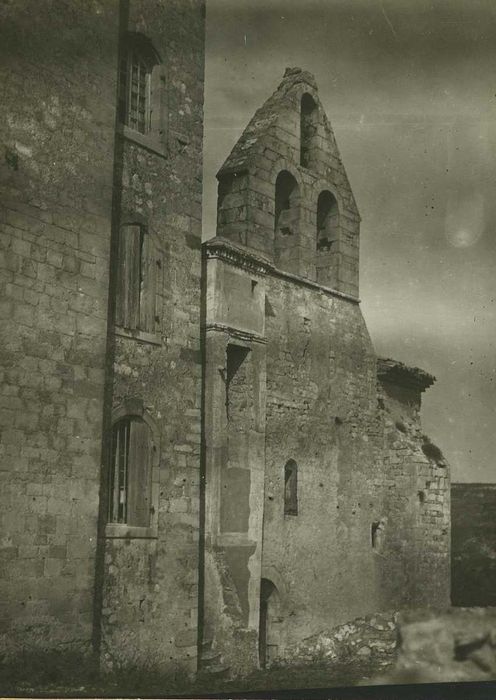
(338, 504)
(203, 462)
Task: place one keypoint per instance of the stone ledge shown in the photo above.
(147, 141)
(395, 372)
(246, 336)
(141, 336)
(240, 256)
(130, 532)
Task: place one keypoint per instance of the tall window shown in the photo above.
(130, 472)
(291, 488)
(135, 83)
(327, 221)
(137, 279)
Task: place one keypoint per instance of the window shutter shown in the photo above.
(128, 287)
(139, 478)
(148, 285)
(158, 103)
(114, 477)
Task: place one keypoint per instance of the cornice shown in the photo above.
(246, 259)
(246, 336)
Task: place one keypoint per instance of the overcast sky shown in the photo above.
(410, 89)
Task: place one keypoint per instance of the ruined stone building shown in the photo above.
(203, 461)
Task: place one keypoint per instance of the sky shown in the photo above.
(410, 89)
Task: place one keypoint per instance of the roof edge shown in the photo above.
(395, 372)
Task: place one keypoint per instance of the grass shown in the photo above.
(70, 674)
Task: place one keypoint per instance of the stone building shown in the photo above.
(324, 500)
(101, 177)
(307, 495)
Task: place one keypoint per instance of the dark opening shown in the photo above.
(309, 116)
(286, 211)
(327, 221)
(225, 187)
(291, 488)
(373, 532)
(236, 354)
(267, 591)
(130, 472)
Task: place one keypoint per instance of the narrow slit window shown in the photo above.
(291, 488)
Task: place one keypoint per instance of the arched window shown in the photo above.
(286, 211)
(309, 117)
(138, 264)
(327, 221)
(136, 88)
(291, 488)
(130, 472)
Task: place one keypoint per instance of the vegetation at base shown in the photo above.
(71, 674)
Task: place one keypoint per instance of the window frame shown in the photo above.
(133, 408)
(137, 61)
(154, 137)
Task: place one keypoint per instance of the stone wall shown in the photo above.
(58, 76)
(373, 636)
(473, 544)
(234, 453)
(368, 525)
(321, 407)
(416, 489)
(150, 605)
(372, 529)
(70, 180)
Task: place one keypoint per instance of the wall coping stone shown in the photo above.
(247, 336)
(395, 372)
(240, 256)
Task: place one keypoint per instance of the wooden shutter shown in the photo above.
(158, 103)
(128, 284)
(139, 475)
(148, 285)
(114, 477)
